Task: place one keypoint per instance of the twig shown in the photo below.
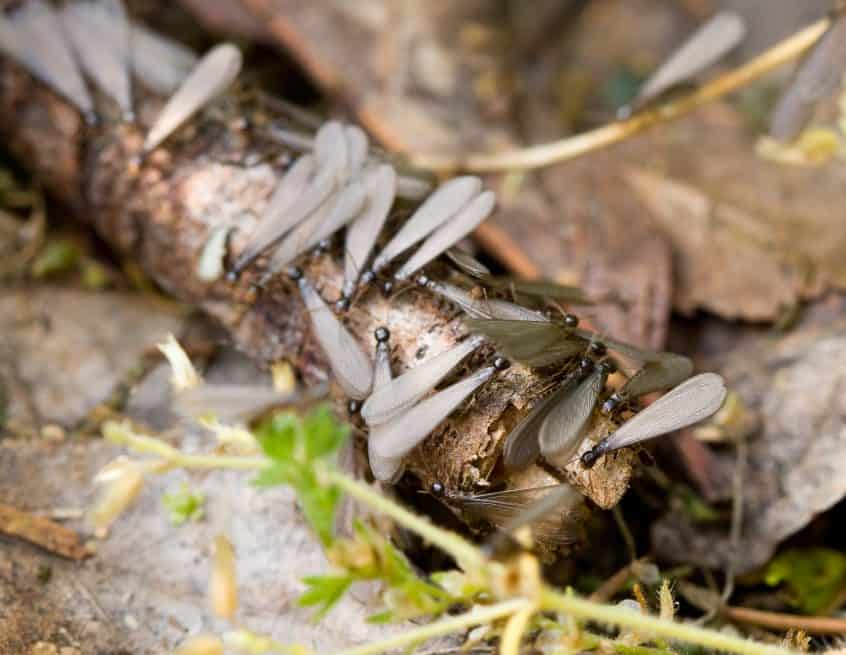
(818, 625)
(43, 532)
(571, 147)
(439, 628)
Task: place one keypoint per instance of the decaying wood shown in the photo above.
(223, 168)
(42, 532)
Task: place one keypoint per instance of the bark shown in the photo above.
(222, 168)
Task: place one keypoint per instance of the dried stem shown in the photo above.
(572, 147)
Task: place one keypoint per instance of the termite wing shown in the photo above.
(818, 76)
(547, 509)
(33, 36)
(349, 363)
(532, 342)
(402, 434)
(235, 402)
(490, 308)
(104, 57)
(707, 45)
(692, 401)
(401, 393)
(384, 469)
(211, 77)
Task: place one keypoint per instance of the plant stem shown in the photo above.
(462, 550)
(571, 147)
(442, 627)
(586, 610)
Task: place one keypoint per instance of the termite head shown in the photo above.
(342, 304)
(295, 273)
(353, 406)
(589, 458)
(586, 365)
(387, 287)
(501, 364)
(612, 403)
(382, 334)
(571, 321)
(597, 348)
(608, 367)
(437, 489)
(368, 276)
(422, 280)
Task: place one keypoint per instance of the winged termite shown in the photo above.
(357, 145)
(491, 308)
(212, 75)
(160, 63)
(692, 401)
(707, 45)
(210, 265)
(400, 436)
(331, 149)
(437, 209)
(512, 509)
(562, 430)
(86, 23)
(818, 76)
(521, 448)
(384, 469)
(532, 342)
(350, 365)
(450, 233)
(403, 392)
(666, 370)
(380, 189)
(33, 36)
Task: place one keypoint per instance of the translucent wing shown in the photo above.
(380, 189)
(481, 307)
(515, 508)
(467, 263)
(818, 76)
(437, 209)
(160, 63)
(450, 233)
(664, 373)
(227, 401)
(705, 47)
(540, 289)
(521, 447)
(692, 401)
(356, 148)
(536, 343)
(399, 436)
(562, 431)
(403, 392)
(106, 60)
(384, 469)
(33, 35)
(277, 219)
(211, 77)
(330, 149)
(349, 363)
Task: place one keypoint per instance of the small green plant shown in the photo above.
(184, 505)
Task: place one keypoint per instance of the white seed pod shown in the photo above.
(33, 36)
(707, 45)
(438, 208)
(692, 401)
(391, 400)
(380, 189)
(214, 73)
(450, 233)
(210, 264)
(400, 436)
(104, 58)
(349, 363)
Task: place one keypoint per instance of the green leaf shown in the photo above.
(324, 591)
(59, 256)
(814, 577)
(319, 504)
(279, 436)
(276, 474)
(324, 434)
(183, 505)
(381, 618)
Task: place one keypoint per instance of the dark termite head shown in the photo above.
(91, 118)
(612, 403)
(353, 406)
(231, 276)
(295, 273)
(437, 489)
(589, 458)
(342, 304)
(586, 365)
(382, 334)
(422, 280)
(367, 277)
(501, 364)
(608, 367)
(597, 349)
(387, 287)
(571, 321)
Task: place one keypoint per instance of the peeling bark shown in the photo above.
(223, 167)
